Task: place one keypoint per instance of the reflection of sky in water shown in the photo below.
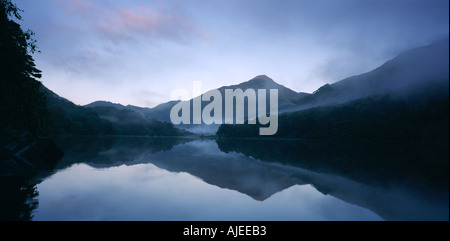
(145, 192)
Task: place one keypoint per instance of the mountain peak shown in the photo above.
(260, 82)
(102, 103)
(262, 78)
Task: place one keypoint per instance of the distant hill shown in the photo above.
(411, 77)
(129, 122)
(286, 97)
(67, 118)
(102, 103)
(406, 98)
(286, 100)
(103, 119)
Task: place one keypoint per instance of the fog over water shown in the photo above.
(192, 179)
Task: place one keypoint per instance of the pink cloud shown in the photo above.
(77, 6)
(128, 24)
(119, 23)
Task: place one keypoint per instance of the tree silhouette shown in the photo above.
(22, 105)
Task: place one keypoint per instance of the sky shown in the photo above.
(140, 51)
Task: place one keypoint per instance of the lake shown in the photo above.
(139, 178)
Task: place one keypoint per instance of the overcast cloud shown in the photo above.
(137, 52)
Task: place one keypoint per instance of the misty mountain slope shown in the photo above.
(412, 71)
(104, 119)
(102, 103)
(126, 121)
(286, 99)
(161, 112)
(67, 118)
(405, 99)
(371, 118)
(286, 95)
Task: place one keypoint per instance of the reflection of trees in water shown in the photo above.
(93, 145)
(18, 193)
(396, 180)
(419, 163)
(18, 198)
(109, 150)
(425, 164)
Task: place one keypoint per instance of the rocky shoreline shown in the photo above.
(28, 154)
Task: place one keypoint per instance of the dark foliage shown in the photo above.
(22, 105)
(18, 198)
(66, 118)
(371, 118)
(421, 164)
(130, 122)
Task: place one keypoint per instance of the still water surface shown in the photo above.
(200, 179)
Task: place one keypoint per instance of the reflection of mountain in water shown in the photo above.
(254, 168)
(232, 171)
(260, 169)
(201, 158)
(110, 151)
(383, 162)
(397, 180)
(18, 192)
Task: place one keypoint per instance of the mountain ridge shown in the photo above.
(411, 71)
(161, 112)
(65, 117)
(407, 98)
(407, 72)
